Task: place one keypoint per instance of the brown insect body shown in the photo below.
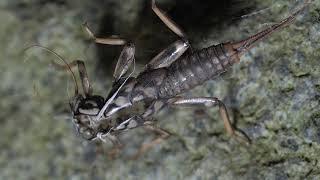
(197, 68)
(182, 75)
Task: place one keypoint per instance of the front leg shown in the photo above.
(142, 120)
(210, 102)
(117, 145)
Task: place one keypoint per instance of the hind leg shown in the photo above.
(167, 20)
(176, 49)
(211, 102)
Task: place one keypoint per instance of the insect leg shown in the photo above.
(117, 145)
(210, 102)
(162, 135)
(87, 89)
(168, 55)
(144, 121)
(141, 119)
(175, 50)
(133, 122)
(127, 54)
(167, 21)
(110, 40)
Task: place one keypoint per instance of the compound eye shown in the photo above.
(89, 108)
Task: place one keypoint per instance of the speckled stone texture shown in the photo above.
(273, 94)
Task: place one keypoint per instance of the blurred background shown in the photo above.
(273, 95)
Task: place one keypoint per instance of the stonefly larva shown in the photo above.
(159, 84)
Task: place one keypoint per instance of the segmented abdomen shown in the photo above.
(192, 70)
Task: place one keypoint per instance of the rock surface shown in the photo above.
(273, 95)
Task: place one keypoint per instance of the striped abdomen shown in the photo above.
(192, 70)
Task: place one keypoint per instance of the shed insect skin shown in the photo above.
(163, 79)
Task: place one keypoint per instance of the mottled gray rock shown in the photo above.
(273, 94)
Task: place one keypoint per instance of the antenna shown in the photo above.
(60, 58)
